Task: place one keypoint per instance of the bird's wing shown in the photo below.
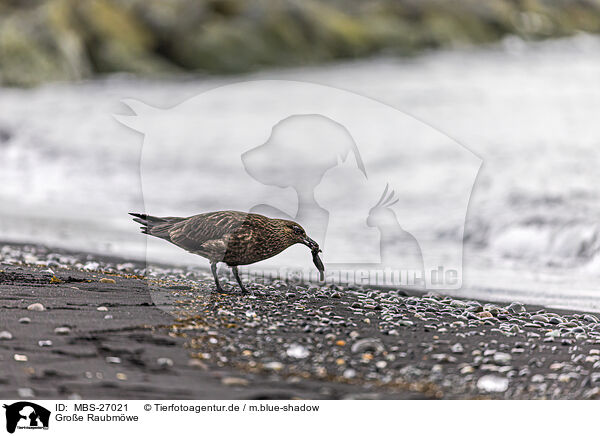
(207, 231)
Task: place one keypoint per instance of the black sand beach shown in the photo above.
(111, 328)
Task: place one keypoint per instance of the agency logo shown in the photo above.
(26, 415)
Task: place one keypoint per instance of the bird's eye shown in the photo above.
(297, 230)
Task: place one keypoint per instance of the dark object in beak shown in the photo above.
(319, 264)
(314, 248)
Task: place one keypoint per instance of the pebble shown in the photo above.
(367, 344)
(539, 317)
(25, 392)
(45, 343)
(234, 381)
(5, 335)
(164, 362)
(62, 330)
(113, 359)
(105, 280)
(484, 314)
(24, 320)
(502, 358)
(468, 369)
(297, 351)
(443, 358)
(492, 383)
(457, 348)
(515, 308)
(275, 366)
(102, 309)
(350, 373)
(36, 307)
(20, 357)
(538, 378)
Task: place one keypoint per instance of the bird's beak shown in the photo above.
(311, 244)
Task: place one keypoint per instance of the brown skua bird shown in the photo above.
(235, 238)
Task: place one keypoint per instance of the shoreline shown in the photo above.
(107, 333)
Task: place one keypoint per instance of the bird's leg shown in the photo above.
(213, 268)
(237, 277)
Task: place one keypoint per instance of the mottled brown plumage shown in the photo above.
(235, 238)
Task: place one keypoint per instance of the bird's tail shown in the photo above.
(155, 226)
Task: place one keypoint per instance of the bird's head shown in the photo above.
(294, 234)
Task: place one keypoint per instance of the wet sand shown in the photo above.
(111, 328)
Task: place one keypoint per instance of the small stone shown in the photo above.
(25, 392)
(350, 373)
(197, 363)
(502, 358)
(121, 376)
(443, 358)
(36, 307)
(275, 366)
(234, 381)
(367, 344)
(62, 330)
(539, 317)
(564, 378)
(492, 383)
(102, 309)
(367, 357)
(297, 351)
(164, 362)
(20, 358)
(538, 378)
(484, 314)
(515, 308)
(5, 335)
(24, 320)
(468, 369)
(457, 348)
(113, 359)
(105, 280)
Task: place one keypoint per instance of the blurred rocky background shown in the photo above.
(57, 40)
